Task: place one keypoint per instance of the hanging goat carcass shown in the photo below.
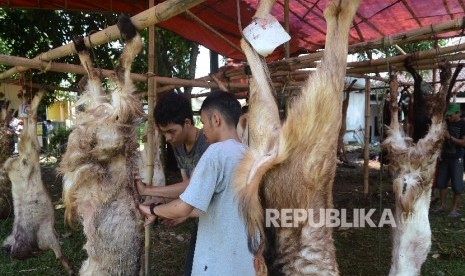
(33, 227)
(413, 166)
(293, 166)
(98, 166)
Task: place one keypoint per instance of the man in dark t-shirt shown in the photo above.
(174, 117)
(451, 161)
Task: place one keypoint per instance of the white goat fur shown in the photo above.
(413, 166)
(34, 221)
(98, 166)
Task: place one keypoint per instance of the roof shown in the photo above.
(375, 19)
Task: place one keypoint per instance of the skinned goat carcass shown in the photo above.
(6, 150)
(413, 166)
(98, 166)
(293, 166)
(33, 227)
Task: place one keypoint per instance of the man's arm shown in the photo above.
(173, 210)
(169, 191)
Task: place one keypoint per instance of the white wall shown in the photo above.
(355, 120)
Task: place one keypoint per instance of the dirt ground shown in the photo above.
(360, 251)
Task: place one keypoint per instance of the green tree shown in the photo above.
(27, 33)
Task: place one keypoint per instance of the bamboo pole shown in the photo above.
(416, 56)
(21, 62)
(78, 69)
(366, 144)
(382, 68)
(419, 63)
(309, 61)
(150, 138)
(152, 16)
(411, 36)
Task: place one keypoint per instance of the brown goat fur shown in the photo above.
(33, 227)
(293, 165)
(98, 167)
(413, 166)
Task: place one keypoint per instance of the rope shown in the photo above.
(93, 52)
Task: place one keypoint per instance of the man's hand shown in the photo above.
(145, 210)
(141, 187)
(154, 199)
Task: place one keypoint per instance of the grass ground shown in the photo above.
(360, 251)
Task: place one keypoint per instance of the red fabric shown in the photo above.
(375, 19)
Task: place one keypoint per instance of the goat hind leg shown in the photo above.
(94, 87)
(48, 239)
(132, 48)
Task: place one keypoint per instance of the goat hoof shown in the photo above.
(127, 29)
(79, 44)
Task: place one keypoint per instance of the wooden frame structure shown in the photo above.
(289, 72)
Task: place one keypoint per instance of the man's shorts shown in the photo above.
(451, 169)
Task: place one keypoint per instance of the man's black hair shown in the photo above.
(226, 104)
(172, 108)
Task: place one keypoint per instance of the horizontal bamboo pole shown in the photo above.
(419, 34)
(402, 38)
(416, 56)
(58, 67)
(152, 16)
(308, 61)
(418, 62)
(383, 68)
(78, 69)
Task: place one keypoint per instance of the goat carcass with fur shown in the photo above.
(34, 222)
(98, 166)
(413, 165)
(292, 166)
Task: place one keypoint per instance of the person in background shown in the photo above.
(47, 132)
(451, 160)
(17, 126)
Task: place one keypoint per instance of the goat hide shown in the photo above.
(413, 166)
(33, 227)
(293, 166)
(98, 166)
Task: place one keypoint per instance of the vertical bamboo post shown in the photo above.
(286, 26)
(366, 146)
(151, 85)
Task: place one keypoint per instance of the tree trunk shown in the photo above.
(193, 54)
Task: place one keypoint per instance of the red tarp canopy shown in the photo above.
(375, 19)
